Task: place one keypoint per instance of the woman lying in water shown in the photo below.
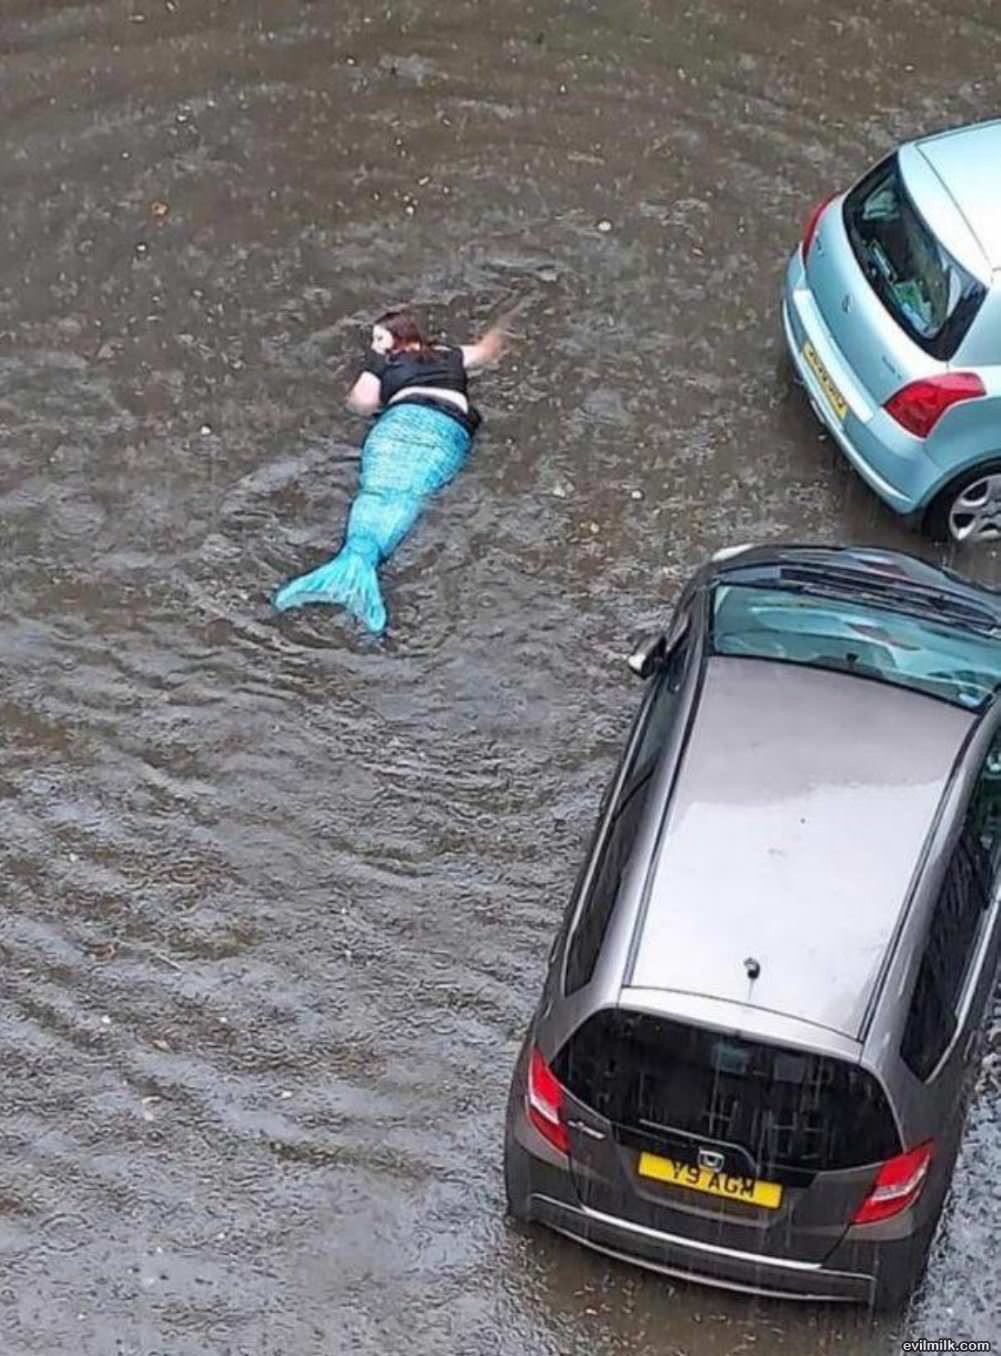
(421, 437)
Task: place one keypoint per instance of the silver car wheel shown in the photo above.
(975, 513)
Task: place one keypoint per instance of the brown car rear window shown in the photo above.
(787, 1108)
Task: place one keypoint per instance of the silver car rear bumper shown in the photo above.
(891, 462)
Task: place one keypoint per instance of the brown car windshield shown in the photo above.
(923, 287)
(957, 664)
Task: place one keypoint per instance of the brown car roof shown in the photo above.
(799, 814)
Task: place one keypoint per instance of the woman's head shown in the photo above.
(396, 331)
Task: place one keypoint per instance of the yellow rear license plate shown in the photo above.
(746, 1189)
(835, 399)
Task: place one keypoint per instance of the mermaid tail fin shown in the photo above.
(348, 579)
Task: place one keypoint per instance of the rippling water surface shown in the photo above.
(277, 898)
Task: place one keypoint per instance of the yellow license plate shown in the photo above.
(746, 1189)
(835, 399)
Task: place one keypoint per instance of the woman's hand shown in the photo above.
(488, 348)
(365, 396)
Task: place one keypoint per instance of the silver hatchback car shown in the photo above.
(752, 1057)
(892, 314)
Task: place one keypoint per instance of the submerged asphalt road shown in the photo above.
(276, 898)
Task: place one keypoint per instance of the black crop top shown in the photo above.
(443, 368)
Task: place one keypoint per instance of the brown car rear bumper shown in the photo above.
(700, 1262)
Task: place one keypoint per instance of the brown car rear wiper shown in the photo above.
(848, 585)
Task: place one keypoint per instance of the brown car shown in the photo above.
(752, 1057)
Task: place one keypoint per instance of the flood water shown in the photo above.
(277, 898)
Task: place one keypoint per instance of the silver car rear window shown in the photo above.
(955, 664)
(929, 294)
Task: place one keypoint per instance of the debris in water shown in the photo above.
(142, 249)
(205, 430)
(604, 226)
(159, 209)
(637, 494)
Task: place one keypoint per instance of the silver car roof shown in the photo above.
(797, 821)
(967, 161)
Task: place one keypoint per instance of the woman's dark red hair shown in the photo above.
(406, 331)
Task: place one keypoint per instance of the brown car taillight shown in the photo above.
(544, 1102)
(898, 1184)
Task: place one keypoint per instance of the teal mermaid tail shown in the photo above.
(412, 451)
(349, 579)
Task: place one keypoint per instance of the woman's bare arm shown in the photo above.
(486, 350)
(365, 395)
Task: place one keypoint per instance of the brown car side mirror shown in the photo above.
(648, 654)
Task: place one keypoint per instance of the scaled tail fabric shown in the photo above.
(412, 451)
